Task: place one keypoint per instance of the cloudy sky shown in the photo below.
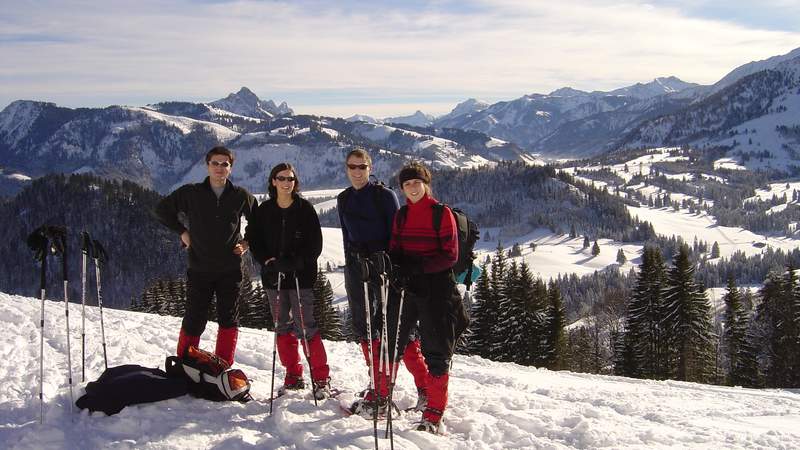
(378, 57)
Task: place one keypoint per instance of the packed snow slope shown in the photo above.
(492, 405)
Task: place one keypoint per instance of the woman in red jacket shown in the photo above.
(424, 258)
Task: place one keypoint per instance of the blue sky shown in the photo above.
(380, 58)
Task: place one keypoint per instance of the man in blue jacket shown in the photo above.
(366, 213)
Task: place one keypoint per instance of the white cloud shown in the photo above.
(111, 52)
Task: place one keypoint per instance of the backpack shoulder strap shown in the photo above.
(341, 199)
(438, 212)
(376, 198)
(402, 213)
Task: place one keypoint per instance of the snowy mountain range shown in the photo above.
(756, 118)
(568, 122)
(161, 145)
(752, 111)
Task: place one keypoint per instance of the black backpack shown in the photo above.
(468, 235)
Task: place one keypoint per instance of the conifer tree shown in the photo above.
(688, 322)
(534, 301)
(482, 315)
(556, 356)
(326, 316)
(586, 242)
(747, 372)
(785, 340)
(347, 325)
(580, 350)
(734, 333)
(715, 250)
(621, 258)
(765, 328)
(511, 321)
(643, 340)
(595, 249)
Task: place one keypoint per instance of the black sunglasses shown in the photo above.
(357, 166)
(220, 164)
(283, 178)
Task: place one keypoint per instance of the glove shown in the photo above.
(404, 268)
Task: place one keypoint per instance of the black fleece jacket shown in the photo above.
(214, 224)
(292, 235)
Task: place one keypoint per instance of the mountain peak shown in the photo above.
(567, 92)
(418, 119)
(246, 103)
(659, 86)
(468, 106)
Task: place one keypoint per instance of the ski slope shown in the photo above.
(492, 405)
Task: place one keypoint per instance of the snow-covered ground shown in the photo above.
(492, 405)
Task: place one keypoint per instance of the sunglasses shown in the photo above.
(220, 164)
(357, 166)
(283, 178)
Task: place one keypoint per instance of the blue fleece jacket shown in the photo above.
(365, 227)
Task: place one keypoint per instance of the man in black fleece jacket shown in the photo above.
(207, 216)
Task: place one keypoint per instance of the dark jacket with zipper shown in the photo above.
(291, 235)
(213, 223)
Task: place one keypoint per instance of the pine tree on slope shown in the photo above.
(735, 331)
(644, 337)
(556, 356)
(688, 322)
(482, 316)
(326, 316)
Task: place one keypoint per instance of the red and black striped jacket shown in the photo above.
(416, 237)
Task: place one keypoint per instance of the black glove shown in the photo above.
(37, 241)
(404, 268)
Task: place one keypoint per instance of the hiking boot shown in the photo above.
(427, 425)
(366, 406)
(422, 400)
(291, 384)
(431, 421)
(322, 389)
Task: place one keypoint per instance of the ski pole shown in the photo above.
(306, 349)
(393, 376)
(85, 243)
(100, 258)
(37, 241)
(275, 339)
(365, 278)
(59, 238)
(380, 262)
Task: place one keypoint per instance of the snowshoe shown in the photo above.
(291, 384)
(428, 426)
(422, 401)
(322, 389)
(365, 407)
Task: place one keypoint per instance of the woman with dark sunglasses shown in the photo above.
(286, 239)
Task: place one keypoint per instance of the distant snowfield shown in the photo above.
(560, 254)
(701, 226)
(492, 405)
(667, 222)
